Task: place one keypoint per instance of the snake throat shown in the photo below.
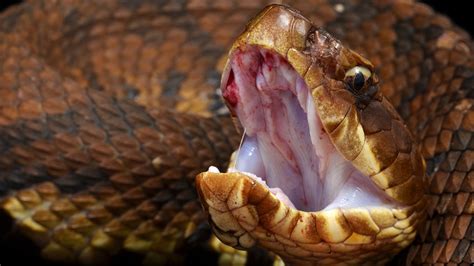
(285, 144)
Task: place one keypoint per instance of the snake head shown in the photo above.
(327, 171)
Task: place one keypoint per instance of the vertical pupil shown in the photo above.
(359, 81)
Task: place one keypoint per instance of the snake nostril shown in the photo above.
(310, 37)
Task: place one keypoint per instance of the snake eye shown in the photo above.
(357, 78)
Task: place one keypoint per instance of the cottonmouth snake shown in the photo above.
(108, 113)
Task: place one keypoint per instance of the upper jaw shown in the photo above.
(285, 143)
(277, 27)
(375, 146)
(374, 138)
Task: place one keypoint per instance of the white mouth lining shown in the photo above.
(306, 172)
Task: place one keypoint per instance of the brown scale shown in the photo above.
(426, 80)
(99, 174)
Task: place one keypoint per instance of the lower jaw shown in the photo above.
(244, 213)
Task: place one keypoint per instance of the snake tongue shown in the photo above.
(285, 145)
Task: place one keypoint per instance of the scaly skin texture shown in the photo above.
(94, 166)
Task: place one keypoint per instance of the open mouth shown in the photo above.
(285, 145)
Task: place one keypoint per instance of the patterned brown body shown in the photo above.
(87, 173)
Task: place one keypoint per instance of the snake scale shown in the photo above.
(109, 110)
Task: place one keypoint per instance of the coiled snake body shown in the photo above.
(109, 110)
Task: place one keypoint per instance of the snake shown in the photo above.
(120, 141)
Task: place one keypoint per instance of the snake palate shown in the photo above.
(285, 143)
(234, 132)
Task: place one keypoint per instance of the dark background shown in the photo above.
(457, 11)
